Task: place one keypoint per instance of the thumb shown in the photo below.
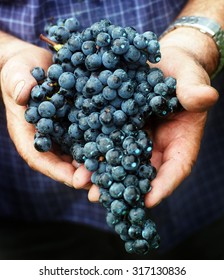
(22, 87)
(17, 81)
(194, 90)
(16, 78)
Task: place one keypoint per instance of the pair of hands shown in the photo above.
(176, 139)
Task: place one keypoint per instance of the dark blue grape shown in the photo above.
(42, 143)
(118, 32)
(83, 123)
(106, 200)
(31, 115)
(55, 71)
(38, 73)
(105, 180)
(117, 136)
(46, 109)
(110, 60)
(61, 34)
(122, 74)
(120, 118)
(147, 171)
(114, 156)
(131, 33)
(67, 80)
(154, 77)
(153, 47)
(72, 24)
(159, 106)
(103, 76)
(132, 54)
(45, 126)
(104, 143)
(140, 41)
(141, 246)
(92, 87)
(88, 47)
(64, 55)
(93, 61)
(130, 107)
(77, 58)
(74, 131)
(118, 173)
(122, 228)
(116, 189)
(112, 219)
(126, 90)
(135, 231)
(137, 216)
(161, 89)
(91, 150)
(93, 120)
(131, 195)
(119, 208)
(144, 186)
(74, 43)
(38, 93)
(120, 45)
(103, 39)
(109, 93)
(91, 134)
(114, 81)
(91, 164)
(58, 100)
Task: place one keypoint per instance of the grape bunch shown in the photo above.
(93, 103)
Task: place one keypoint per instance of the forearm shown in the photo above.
(207, 8)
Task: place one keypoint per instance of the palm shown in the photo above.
(176, 143)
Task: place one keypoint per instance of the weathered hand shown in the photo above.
(176, 138)
(16, 83)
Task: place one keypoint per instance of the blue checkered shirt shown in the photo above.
(28, 195)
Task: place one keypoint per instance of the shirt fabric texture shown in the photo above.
(30, 196)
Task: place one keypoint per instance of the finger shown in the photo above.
(193, 92)
(81, 177)
(50, 164)
(167, 181)
(94, 193)
(174, 164)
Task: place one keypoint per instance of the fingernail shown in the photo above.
(67, 184)
(19, 87)
(88, 185)
(76, 164)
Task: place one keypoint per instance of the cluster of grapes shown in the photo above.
(93, 102)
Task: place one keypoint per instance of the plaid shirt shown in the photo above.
(29, 195)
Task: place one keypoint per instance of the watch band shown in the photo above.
(207, 26)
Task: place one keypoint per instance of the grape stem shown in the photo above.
(55, 45)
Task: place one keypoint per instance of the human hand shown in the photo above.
(176, 138)
(16, 83)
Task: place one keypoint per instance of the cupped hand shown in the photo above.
(176, 138)
(16, 83)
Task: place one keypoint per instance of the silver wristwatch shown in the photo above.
(207, 26)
